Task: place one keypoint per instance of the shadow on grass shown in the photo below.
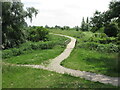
(107, 66)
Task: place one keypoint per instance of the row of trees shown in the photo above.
(108, 21)
(58, 27)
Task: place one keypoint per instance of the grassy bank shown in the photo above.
(35, 52)
(92, 61)
(91, 56)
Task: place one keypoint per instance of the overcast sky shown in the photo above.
(64, 12)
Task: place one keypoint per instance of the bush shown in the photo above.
(38, 34)
(111, 30)
(103, 40)
(16, 51)
(100, 35)
(100, 47)
(112, 48)
(27, 48)
(88, 45)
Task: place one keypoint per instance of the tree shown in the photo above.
(83, 25)
(13, 21)
(77, 28)
(112, 18)
(113, 12)
(87, 24)
(97, 21)
(46, 26)
(106, 18)
(66, 27)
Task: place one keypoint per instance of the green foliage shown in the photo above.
(29, 46)
(77, 28)
(85, 26)
(37, 34)
(118, 38)
(100, 20)
(13, 22)
(96, 21)
(109, 48)
(98, 41)
(99, 35)
(114, 12)
(111, 30)
(106, 40)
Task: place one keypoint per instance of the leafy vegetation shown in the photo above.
(13, 33)
(97, 48)
(37, 33)
(109, 20)
(35, 53)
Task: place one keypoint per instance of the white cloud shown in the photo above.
(64, 12)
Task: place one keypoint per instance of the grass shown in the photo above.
(39, 56)
(24, 77)
(89, 60)
(66, 32)
(92, 61)
(35, 57)
(80, 58)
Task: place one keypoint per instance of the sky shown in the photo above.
(64, 12)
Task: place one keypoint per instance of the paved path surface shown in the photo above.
(55, 66)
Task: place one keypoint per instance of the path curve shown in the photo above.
(55, 66)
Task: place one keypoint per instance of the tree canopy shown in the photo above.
(111, 18)
(13, 21)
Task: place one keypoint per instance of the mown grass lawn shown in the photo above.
(24, 77)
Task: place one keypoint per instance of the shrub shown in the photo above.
(111, 30)
(16, 51)
(100, 47)
(103, 40)
(112, 48)
(88, 45)
(7, 53)
(27, 47)
(100, 35)
(37, 34)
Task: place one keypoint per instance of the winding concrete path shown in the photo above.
(55, 66)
